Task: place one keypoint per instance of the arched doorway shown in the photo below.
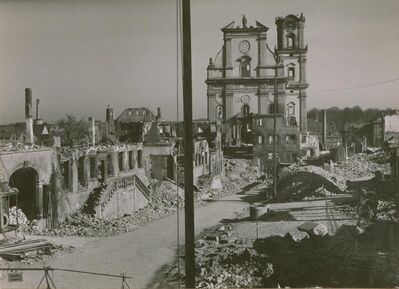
(25, 180)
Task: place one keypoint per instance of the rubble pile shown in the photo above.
(84, 225)
(166, 193)
(306, 182)
(17, 217)
(362, 165)
(239, 173)
(164, 199)
(372, 210)
(222, 261)
(341, 260)
(163, 202)
(387, 211)
(336, 181)
(16, 146)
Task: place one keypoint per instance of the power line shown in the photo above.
(356, 87)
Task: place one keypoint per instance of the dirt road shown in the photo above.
(139, 254)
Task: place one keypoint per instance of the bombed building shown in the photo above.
(248, 82)
(102, 168)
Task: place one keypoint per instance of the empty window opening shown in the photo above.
(290, 139)
(110, 167)
(292, 121)
(139, 159)
(131, 160)
(66, 173)
(291, 72)
(120, 161)
(81, 171)
(270, 139)
(92, 167)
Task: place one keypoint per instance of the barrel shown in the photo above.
(257, 211)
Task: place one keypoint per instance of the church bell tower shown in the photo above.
(292, 52)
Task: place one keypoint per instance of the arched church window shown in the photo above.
(245, 68)
(291, 72)
(219, 112)
(291, 41)
(245, 110)
(291, 108)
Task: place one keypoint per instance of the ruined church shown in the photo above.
(247, 72)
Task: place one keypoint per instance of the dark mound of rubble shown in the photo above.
(306, 182)
(341, 260)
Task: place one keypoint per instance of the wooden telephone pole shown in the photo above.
(188, 149)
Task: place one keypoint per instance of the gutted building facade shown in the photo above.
(287, 141)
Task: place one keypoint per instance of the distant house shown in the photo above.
(334, 137)
(133, 123)
(16, 131)
(372, 134)
(390, 127)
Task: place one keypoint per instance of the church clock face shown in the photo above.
(244, 46)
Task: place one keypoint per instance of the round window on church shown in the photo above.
(244, 46)
(245, 99)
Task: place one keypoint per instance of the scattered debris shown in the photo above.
(318, 260)
(362, 165)
(164, 200)
(17, 217)
(313, 229)
(28, 251)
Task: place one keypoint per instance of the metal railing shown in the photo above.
(50, 282)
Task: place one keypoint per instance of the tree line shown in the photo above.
(350, 115)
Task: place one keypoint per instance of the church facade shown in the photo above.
(247, 82)
(242, 77)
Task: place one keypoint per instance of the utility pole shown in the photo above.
(188, 149)
(275, 104)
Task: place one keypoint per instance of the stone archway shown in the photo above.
(26, 180)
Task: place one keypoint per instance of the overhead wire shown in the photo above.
(356, 87)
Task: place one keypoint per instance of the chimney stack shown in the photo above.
(37, 108)
(110, 121)
(159, 115)
(28, 116)
(325, 129)
(93, 131)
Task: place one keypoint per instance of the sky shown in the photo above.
(78, 56)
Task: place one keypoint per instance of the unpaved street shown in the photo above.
(140, 253)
